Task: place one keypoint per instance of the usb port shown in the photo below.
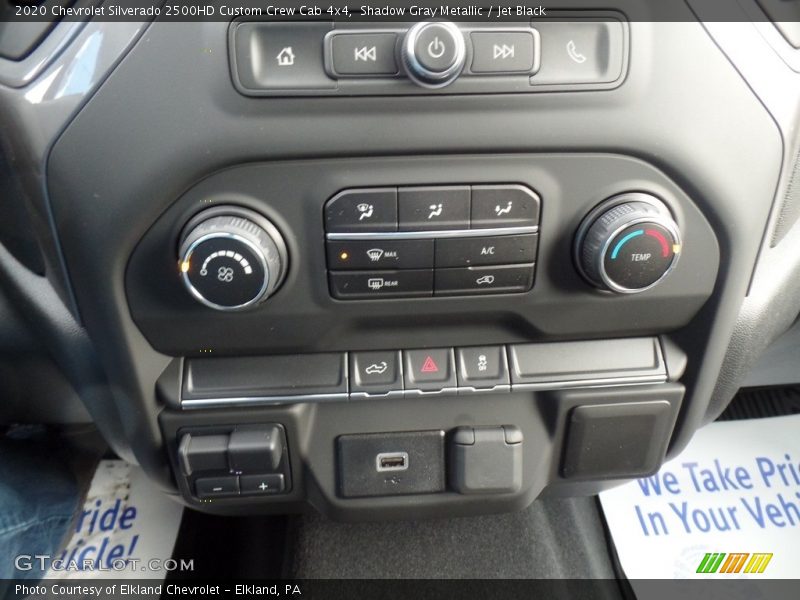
(391, 461)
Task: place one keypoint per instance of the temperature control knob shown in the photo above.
(628, 244)
(231, 258)
(434, 53)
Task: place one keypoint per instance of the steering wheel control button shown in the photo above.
(434, 208)
(380, 254)
(363, 53)
(502, 279)
(429, 370)
(375, 374)
(580, 52)
(364, 210)
(280, 55)
(504, 206)
(482, 368)
(628, 244)
(348, 285)
(216, 487)
(231, 258)
(434, 53)
(262, 485)
(503, 51)
(497, 250)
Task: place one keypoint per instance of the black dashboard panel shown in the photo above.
(125, 179)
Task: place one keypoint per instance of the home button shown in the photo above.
(281, 56)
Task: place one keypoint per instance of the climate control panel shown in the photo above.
(447, 251)
(431, 241)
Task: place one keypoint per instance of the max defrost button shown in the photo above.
(378, 284)
(429, 370)
(380, 254)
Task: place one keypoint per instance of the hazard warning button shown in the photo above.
(429, 370)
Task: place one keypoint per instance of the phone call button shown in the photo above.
(580, 52)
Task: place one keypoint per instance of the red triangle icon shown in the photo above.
(429, 366)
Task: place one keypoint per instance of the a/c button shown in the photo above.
(496, 250)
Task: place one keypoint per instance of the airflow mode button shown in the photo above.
(433, 208)
(363, 210)
(504, 206)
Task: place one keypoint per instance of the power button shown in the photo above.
(434, 53)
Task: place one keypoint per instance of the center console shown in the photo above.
(395, 297)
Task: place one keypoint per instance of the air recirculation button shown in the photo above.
(231, 258)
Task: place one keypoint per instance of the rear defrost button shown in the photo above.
(381, 284)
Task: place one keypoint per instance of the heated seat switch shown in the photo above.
(628, 244)
(231, 258)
